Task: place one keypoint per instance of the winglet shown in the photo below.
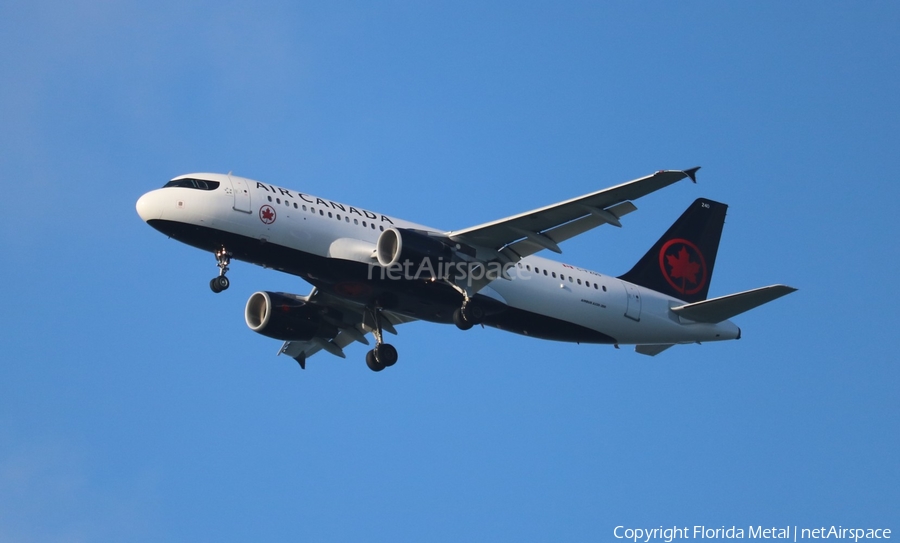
(692, 173)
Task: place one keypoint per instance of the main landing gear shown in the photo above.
(468, 315)
(220, 283)
(384, 355)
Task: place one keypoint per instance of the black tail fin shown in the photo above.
(681, 262)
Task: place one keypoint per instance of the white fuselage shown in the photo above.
(315, 226)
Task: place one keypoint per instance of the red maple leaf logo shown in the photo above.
(682, 264)
(267, 214)
(683, 267)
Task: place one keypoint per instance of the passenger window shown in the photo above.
(356, 221)
(277, 200)
(330, 215)
(545, 273)
(364, 224)
(347, 219)
(322, 213)
(579, 281)
(604, 288)
(382, 228)
(295, 205)
(527, 267)
(372, 225)
(270, 198)
(304, 207)
(570, 279)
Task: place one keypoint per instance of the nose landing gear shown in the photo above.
(220, 283)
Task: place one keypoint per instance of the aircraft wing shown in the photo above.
(352, 322)
(527, 233)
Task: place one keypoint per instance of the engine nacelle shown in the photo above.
(284, 317)
(399, 245)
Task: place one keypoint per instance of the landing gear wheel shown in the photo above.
(218, 284)
(373, 362)
(460, 321)
(473, 313)
(385, 354)
(222, 282)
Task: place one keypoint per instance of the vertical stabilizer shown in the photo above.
(681, 263)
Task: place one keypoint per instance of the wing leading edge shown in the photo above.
(544, 228)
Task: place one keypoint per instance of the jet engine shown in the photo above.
(400, 245)
(286, 317)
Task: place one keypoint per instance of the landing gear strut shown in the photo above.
(384, 355)
(220, 283)
(468, 315)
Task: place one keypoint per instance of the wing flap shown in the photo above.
(526, 247)
(724, 307)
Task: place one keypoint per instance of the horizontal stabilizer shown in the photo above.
(723, 308)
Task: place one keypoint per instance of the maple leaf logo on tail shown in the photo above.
(683, 266)
(680, 263)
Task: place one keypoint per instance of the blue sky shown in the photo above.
(135, 405)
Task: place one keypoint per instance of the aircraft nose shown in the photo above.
(148, 206)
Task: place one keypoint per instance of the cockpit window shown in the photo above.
(193, 184)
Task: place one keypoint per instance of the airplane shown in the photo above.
(373, 272)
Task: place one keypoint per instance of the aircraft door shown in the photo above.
(241, 194)
(633, 296)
